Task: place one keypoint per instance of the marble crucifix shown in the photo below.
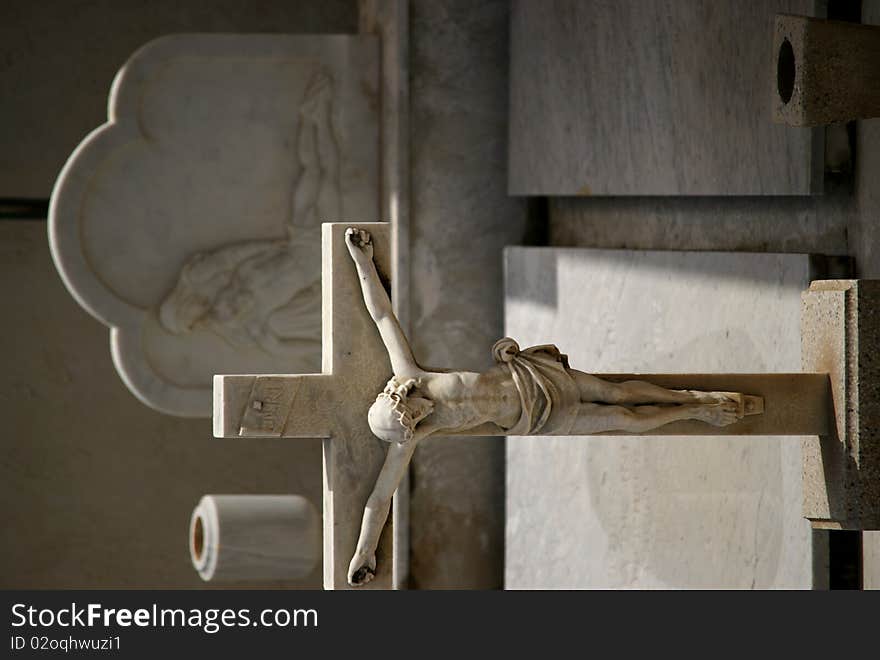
(330, 405)
(527, 392)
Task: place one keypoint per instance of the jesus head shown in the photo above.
(394, 414)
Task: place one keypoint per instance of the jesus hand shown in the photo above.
(362, 569)
(359, 243)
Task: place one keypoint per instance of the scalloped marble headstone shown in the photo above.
(190, 222)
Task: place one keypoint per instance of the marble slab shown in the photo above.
(651, 512)
(813, 225)
(190, 222)
(652, 97)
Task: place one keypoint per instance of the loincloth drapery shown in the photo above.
(548, 393)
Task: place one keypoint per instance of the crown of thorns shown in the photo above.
(396, 391)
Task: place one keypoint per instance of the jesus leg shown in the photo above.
(632, 392)
(599, 418)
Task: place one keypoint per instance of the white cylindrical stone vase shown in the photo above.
(254, 538)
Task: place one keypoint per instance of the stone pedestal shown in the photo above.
(841, 336)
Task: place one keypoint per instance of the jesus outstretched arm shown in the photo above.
(378, 304)
(391, 417)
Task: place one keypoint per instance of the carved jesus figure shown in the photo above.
(528, 391)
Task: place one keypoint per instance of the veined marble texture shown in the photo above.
(190, 222)
(657, 512)
(652, 97)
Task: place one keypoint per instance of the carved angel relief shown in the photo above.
(268, 293)
(189, 222)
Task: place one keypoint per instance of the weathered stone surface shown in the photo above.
(841, 336)
(666, 97)
(810, 225)
(330, 405)
(461, 218)
(657, 512)
(826, 71)
(863, 229)
(190, 222)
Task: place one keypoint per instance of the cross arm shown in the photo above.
(263, 406)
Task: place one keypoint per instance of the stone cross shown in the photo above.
(333, 405)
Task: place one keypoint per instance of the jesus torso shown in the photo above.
(466, 399)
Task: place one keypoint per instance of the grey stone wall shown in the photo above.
(461, 220)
